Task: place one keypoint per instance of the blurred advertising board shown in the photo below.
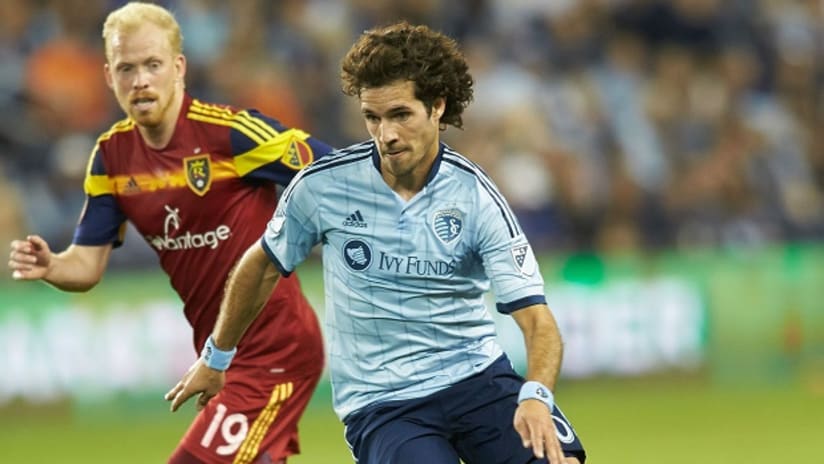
(628, 326)
(742, 315)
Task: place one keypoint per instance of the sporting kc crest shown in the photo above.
(448, 225)
(198, 173)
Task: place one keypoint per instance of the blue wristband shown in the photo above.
(216, 358)
(533, 390)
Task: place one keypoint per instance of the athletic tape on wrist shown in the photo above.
(533, 390)
(216, 358)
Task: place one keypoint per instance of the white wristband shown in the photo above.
(533, 390)
(216, 358)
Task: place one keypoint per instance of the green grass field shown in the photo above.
(652, 420)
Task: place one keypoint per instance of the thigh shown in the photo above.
(401, 441)
(402, 432)
(254, 416)
(429, 449)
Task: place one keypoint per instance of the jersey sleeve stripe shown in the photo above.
(480, 173)
(97, 182)
(254, 128)
(255, 124)
(345, 155)
(244, 117)
(257, 138)
(327, 162)
(268, 152)
(120, 126)
(90, 165)
(462, 163)
(258, 123)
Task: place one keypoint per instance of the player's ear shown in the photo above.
(438, 108)
(108, 75)
(180, 67)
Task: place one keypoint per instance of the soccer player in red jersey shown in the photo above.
(197, 180)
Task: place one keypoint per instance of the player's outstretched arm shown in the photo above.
(249, 286)
(77, 269)
(533, 418)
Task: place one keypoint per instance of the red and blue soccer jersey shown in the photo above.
(200, 203)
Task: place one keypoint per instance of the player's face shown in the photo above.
(405, 132)
(145, 75)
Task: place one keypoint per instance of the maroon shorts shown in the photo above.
(255, 414)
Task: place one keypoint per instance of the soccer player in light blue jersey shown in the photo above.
(413, 235)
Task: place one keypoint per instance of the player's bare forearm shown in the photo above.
(542, 338)
(533, 420)
(77, 269)
(248, 288)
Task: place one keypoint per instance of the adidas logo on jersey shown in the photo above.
(131, 187)
(354, 220)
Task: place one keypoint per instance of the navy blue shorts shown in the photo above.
(469, 421)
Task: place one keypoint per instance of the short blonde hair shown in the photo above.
(134, 14)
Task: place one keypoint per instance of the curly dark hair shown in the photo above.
(403, 52)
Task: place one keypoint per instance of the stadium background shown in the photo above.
(665, 158)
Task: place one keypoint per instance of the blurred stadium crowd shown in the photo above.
(609, 124)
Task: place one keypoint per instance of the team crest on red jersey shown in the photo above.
(298, 155)
(198, 173)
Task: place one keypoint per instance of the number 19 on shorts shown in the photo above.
(233, 429)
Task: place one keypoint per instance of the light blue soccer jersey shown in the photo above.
(404, 280)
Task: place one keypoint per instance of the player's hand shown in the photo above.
(534, 424)
(29, 259)
(199, 379)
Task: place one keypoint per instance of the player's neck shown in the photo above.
(409, 184)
